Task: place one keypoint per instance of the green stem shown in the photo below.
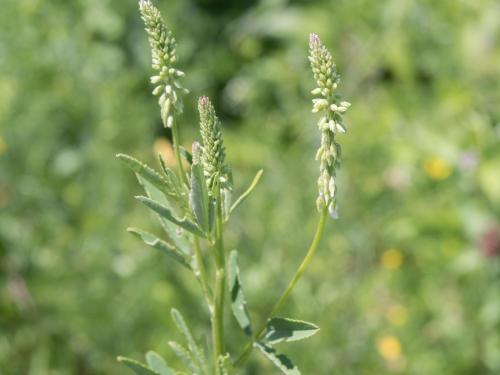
(218, 316)
(176, 144)
(295, 279)
(201, 275)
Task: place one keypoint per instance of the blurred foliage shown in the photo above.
(407, 281)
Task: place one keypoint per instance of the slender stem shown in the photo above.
(176, 144)
(295, 279)
(218, 316)
(201, 275)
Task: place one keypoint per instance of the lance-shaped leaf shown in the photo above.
(158, 364)
(238, 302)
(185, 356)
(245, 195)
(168, 185)
(199, 199)
(167, 214)
(280, 360)
(146, 172)
(286, 330)
(137, 367)
(197, 353)
(165, 247)
(179, 239)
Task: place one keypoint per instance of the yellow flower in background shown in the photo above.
(391, 259)
(436, 168)
(397, 315)
(389, 347)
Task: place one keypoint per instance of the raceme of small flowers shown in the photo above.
(193, 208)
(332, 107)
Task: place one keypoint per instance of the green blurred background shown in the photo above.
(406, 282)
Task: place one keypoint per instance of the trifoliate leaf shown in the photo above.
(286, 330)
(245, 195)
(178, 238)
(167, 214)
(158, 364)
(238, 302)
(280, 360)
(137, 367)
(163, 246)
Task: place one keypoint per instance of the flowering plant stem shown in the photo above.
(218, 314)
(291, 285)
(193, 205)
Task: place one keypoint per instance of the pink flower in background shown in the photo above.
(489, 241)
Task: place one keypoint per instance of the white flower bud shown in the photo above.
(332, 210)
(170, 121)
(155, 79)
(340, 128)
(316, 91)
(158, 90)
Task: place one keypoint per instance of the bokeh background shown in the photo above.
(406, 282)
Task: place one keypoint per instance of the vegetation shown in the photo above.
(406, 281)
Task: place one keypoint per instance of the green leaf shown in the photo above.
(158, 364)
(172, 178)
(146, 172)
(185, 356)
(137, 367)
(199, 199)
(196, 352)
(170, 228)
(167, 214)
(165, 247)
(245, 195)
(186, 154)
(238, 302)
(286, 330)
(280, 360)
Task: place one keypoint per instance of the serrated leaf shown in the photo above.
(146, 172)
(280, 360)
(185, 356)
(179, 239)
(196, 352)
(165, 247)
(287, 330)
(245, 195)
(199, 199)
(137, 367)
(238, 302)
(166, 213)
(158, 364)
